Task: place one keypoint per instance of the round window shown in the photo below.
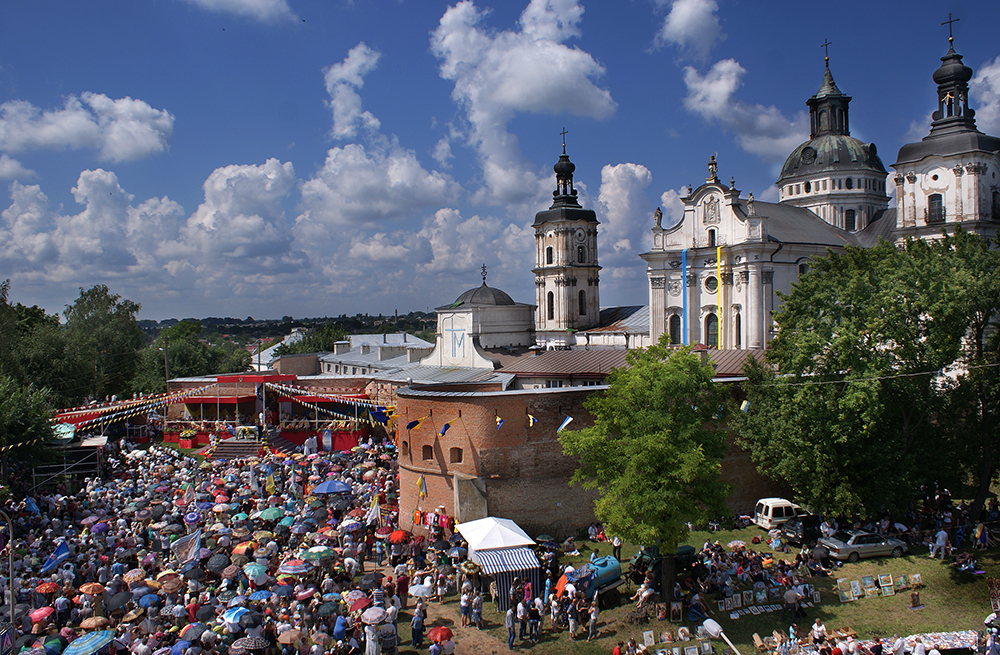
(808, 187)
(712, 284)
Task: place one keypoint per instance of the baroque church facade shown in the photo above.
(712, 276)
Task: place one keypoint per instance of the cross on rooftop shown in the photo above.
(483, 273)
(564, 133)
(826, 47)
(948, 23)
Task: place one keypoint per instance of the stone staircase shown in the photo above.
(281, 445)
(235, 448)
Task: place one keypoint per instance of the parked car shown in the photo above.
(802, 529)
(852, 545)
(771, 512)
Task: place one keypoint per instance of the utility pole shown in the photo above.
(166, 367)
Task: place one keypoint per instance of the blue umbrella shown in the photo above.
(179, 647)
(149, 599)
(90, 643)
(332, 487)
(282, 589)
(288, 520)
(263, 594)
(233, 615)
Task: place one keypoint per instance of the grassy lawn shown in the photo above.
(951, 600)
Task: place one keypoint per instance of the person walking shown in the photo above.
(417, 630)
(592, 626)
(940, 543)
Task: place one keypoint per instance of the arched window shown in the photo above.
(583, 303)
(581, 255)
(712, 331)
(427, 452)
(551, 306)
(849, 220)
(711, 238)
(455, 455)
(738, 327)
(675, 328)
(849, 183)
(824, 121)
(996, 206)
(809, 186)
(548, 255)
(404, 448)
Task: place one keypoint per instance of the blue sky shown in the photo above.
(273, 157)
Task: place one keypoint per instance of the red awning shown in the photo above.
(221, 400)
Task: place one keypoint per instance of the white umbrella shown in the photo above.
(420, 591)
(373, 615)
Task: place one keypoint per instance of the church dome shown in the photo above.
(484, 295)
(831, 153)
(952, 69)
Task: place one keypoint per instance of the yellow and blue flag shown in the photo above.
(499, 422)
(531, 421)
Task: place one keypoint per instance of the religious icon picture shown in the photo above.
(722, 605)
(915, 580)
(676, 613)
(816, 597)
(737, 601)
(748, 597)
(706, 647)
(885, 580)
(684, 634)
(691, 650)
(856, 588)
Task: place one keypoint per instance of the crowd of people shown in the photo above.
(166, 556)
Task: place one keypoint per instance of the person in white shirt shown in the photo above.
(918, 647)
(818, 632)
(898, 646)
(940, 543)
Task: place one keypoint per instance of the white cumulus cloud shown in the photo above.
(342, 83)
(266, 11)
(498, 74)
(692, 26)
(120, 130)
(358, 186)
(11, 169)
(760, 130)
(984, 90)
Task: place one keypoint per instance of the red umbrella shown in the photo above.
(359, 604)
(48, 588)
(439, 633)
(41, 614)
(399, 536)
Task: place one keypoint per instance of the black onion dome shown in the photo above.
(484, 295)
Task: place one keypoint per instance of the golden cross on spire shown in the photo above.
(563, 134)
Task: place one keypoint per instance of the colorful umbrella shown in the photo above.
(399, 536)
(295, 567)
(134, 576)
(361, 603)
(90, 643)
(439, 633)
(41, 614)
(290, 636)
(253, 570)
(48, 588)
(262, 594)
(332, 487)
(271, 514)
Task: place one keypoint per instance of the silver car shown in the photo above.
(852, 545)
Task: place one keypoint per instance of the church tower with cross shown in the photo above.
(834, 175)
(566, 269)
(951, 176)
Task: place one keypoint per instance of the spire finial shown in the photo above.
(564, 133)
(483, 273)
(826, 48)
(951, 38)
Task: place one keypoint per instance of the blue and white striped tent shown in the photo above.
(505, 564)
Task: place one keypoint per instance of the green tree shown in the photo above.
(318, 340)
(850, 409)
(24, 417)
(655, 449)
(975, 400)
(187, 356)
(103, 326)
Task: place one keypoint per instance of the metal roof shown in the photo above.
(633, 319)
(882, 225)
(597, 362)
(790, 224)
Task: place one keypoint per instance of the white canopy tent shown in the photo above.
(501, 548)
(490, 533)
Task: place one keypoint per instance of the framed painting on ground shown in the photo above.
(885, 580)
(676, 612)
(691, 650)
(748, 597)
(856, 588)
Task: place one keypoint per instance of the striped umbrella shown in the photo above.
(90, 643)
(295, 567)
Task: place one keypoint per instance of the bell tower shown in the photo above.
(566, 269)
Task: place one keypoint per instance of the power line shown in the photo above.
(876, 378)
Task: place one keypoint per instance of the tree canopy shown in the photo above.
(319, 340)
(187, 356)
(655, 449)
(865, 394)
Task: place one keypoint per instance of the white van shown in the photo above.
(772, 512)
